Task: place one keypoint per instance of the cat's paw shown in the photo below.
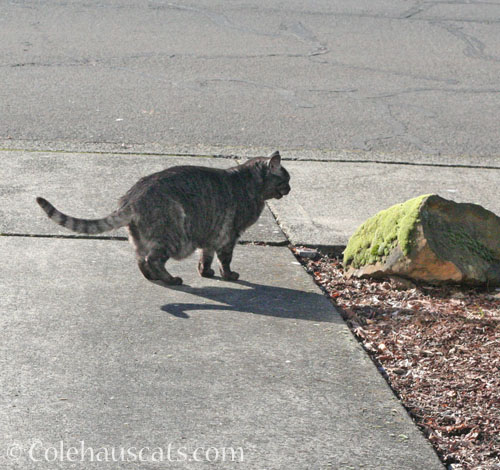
(174, 281)
(230, 276)
(207, 273)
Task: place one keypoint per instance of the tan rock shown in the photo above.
(428, 239)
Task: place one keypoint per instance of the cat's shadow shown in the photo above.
(258, 299)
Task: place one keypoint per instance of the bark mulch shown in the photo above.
(439, 349)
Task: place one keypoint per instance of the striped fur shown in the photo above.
(116, 219)
(171, 213)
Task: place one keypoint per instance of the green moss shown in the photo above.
(378, 235)
(462, 240)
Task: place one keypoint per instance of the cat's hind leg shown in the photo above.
(153, 269)
(140, 252)
(205, 263)
(156, 265)
(151, 258)
(225, 255)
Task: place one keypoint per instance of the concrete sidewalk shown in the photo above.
(331, 199)
(94, 353)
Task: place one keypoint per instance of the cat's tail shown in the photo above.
(116, 219)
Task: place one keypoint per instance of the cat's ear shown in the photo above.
(274, 161)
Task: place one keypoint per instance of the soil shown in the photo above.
(439, 349)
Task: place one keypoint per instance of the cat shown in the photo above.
(171, 213)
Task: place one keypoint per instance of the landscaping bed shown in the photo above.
(439, 349)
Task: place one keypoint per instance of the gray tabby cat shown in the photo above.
(171, 213)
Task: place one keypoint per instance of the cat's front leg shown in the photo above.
(225, 255)
(205, 262)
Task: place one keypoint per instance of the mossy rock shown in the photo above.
(428, 238)
(378, 236)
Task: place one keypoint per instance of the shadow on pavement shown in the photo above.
(258, 299)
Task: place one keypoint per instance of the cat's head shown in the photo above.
(275, 177)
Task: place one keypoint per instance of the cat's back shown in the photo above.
(181, 183)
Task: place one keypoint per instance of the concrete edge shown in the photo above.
(227, 151)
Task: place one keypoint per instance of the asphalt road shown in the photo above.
(390, 76)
